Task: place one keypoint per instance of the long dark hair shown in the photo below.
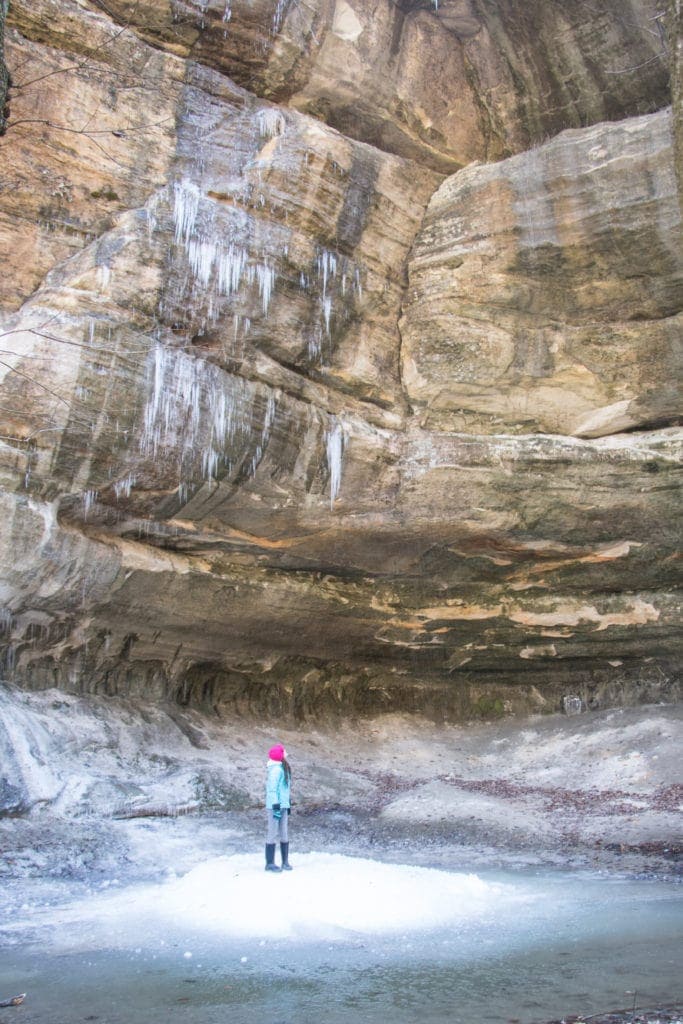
(287, 770)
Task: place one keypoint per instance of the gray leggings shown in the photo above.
(276, 829)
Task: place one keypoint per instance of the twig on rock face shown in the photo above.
(156, 811)
(33, 380)
(115, 132)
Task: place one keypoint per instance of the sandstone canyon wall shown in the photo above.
(341, 349)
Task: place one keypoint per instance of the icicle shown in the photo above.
(151, 215)
(218, 265)
(227, 11)
(197, 412)
(266, 279)
(268, 420)
(278, 16)
(231, 265)
(185, 209)
(271, 122)
(335, 443)
(202, 255)
(210, 260)
(10, 661)
(209, 463)
(122, 488)
(327, 267)
(314, 345)
(327, 313)
(202, 5)
(88, 500)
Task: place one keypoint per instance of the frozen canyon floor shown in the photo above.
(518, 870)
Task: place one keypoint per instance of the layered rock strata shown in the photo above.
(440, 83)
(545, 290)
(292, 423)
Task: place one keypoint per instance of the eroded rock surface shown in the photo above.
(441, 83)
(545, 290)
(291, 422)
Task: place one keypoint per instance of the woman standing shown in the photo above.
(278, 807)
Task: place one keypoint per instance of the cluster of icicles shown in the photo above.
(203, 418)
(202, 6)
(220, 267)
(194, 406)
(196, 413)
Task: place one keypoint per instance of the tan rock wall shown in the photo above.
(546, 290)
(276, 402)
(675, 34)
(91, 135)
(442, 83)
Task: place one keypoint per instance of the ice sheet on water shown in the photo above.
(326, 895)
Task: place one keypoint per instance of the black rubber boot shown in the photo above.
(284, 850)
(270, 858)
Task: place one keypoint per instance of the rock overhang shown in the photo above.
(238, 466)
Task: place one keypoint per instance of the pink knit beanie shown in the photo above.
(277, 752)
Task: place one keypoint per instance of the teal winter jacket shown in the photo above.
(277, 786)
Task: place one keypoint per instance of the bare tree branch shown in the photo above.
(80, 65)
(118, 132)
(33, 380)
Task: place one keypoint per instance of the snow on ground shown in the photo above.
(327, 896)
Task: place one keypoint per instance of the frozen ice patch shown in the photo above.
(327, 896)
